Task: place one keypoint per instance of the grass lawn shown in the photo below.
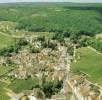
(90, 63)
(4, 69)
(19, 85)
(5, 41)
(7, 25)
(3, 95)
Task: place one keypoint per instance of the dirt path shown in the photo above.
(94, 50)
(13, 36)
(4, 81)
(8, 92)
(4, 34)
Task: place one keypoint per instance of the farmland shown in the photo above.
(20, 85)
(90, 63)
(3, 95)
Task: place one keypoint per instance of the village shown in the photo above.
(50, 64)
(47, 63)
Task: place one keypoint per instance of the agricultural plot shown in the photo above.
(4, 69)
(20, 85)
(7, 26)
(90, 62)
(3, 95)
(5, 41)
(8, 34)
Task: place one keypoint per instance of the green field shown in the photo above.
(3, 95)
(90, 63)
(6, 34)
(4, 69)
(9, 40)
(5, 41)
(20, 85)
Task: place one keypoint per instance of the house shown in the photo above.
(17, 96)
(31, 97)
(19, 73)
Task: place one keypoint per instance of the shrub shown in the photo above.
(41, 38)
(70, 50)
(58, 36)
(35, 50)
(52, 44)
(22, 42)
(51, 87)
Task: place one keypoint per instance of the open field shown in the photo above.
(4, 69)
(9, 39)
(20, 85)
(5, 41)
(90, 63)
(8, 33)
(3, 95)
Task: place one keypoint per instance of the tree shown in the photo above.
(9, 62)
(70, 50)
(40, 95)
(52, 44)
(41, 38)
(66, 33)
(58, 36)
(84, 41)
(35, 50)
(52, 87)
(22, 42)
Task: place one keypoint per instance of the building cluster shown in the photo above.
(82, 89)
(47, 65)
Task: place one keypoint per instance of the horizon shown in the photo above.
(51, 1)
